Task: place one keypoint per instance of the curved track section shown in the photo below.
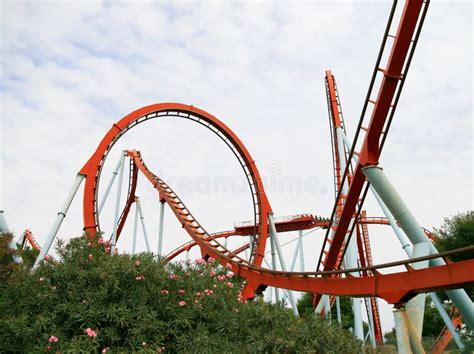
(132, 187)
(93, 167)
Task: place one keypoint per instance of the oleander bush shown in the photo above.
(94, 302)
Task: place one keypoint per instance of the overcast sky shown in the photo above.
(69, 70)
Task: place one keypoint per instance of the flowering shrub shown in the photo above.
(94, 302)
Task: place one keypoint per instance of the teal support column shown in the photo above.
(414, 232)
(59, 220)
(5, 229)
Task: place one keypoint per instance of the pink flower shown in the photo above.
(198, 293)
(90, 257)
(105, 350)
(173, 276)
(140, 277)
(137, 262)
(230, 275)
(196, 301)
(241, 299)
(49, 348)
(91, 333)
(182, 303)
(212, 273)
(164, 292)
(228, 266)
(53, 339)
(208, 292)
(200, 261)
(160, 349)
(107, 249)
(229, 284)
(211, 260)
(182, 291)
(101, 242)
(221, 277)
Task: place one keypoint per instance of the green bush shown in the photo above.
(95, 302)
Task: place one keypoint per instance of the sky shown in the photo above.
(69, 70)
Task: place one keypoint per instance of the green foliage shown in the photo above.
(304, 305)
(6, 257)
(457, 232)
(92, 301)
(28, 255)
(347, 316)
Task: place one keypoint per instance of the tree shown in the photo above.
(91, 302)
(457, 232)
(7, 266)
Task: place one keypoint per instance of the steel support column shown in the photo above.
(59, 220)
(5, 229)
(117, 203)
(160, 227)
(415, 308)
(109, 186)
(414, 232)
(135, 226)
(300, 239)
(274, 264)
(142, 219)
(338, 310)
(447, 321)
(274, 236)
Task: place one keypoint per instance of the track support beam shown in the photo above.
(414, 232)
(274, 237)
(160, 228)
(59, 220)
(142, 220)
(117, 202)
(135, 226)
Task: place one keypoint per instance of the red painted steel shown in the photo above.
(370, 152)
(445, 336)
(133, 178)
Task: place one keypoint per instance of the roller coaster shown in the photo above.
(344, 263)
